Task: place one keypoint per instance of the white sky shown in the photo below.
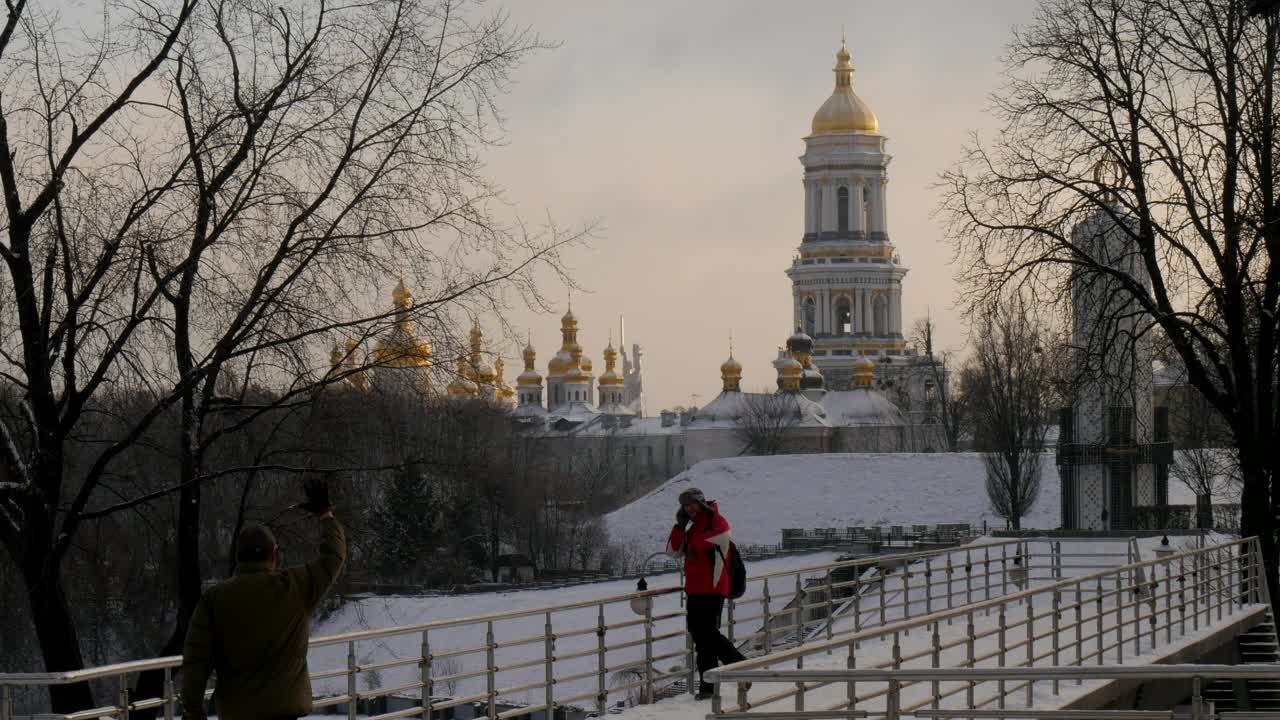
(677, 125)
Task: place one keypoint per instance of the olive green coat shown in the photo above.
(252, 630)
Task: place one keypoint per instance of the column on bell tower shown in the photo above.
(858, 222)
(828, 204)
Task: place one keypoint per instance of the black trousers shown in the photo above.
(703, 621)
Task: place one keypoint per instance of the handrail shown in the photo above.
(1192, 585)
(1253, 671)
(780, 615)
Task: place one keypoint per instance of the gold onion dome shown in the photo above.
(502, 389)
(530, 376)
(863, 371)
(844, 111)
(461, 386)
(610, 376)
(731, 373)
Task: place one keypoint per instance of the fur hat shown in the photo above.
(694, 495)
(255, 543)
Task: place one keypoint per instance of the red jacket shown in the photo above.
(706, 550)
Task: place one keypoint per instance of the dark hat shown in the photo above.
(255, 542)
(693, 495)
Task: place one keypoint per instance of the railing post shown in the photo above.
(884, 580)
(1221, 571)
(928, 586)
(799, 702)
(1120, 618)
(831, 604)
(1197, 700)
(602, 688)
(733, 606)
(170, 694)
(1099, 620)
(936, 660)
(857, 605)
(986, 574)
(1057, 629)
(1057, 559)
(893, 701)
(1168, 602)
(6, 702)
(800, 603)
(491, 670)
(424, 676)
(124, 697)
(1004, 569)
(970, 657)
(549, 658)
(648, 650)
(950, 571)
(1079, 626)
(1182, 596)
(351, 680)
(1000, 657)
(906, 592)
(968, 577)
(851, 662)
(1195, 593)
(768, 633)
(1031, 643)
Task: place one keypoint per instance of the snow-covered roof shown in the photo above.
(727, 407)
(860, 406)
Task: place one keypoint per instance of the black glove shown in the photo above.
(682, 517)
(317, 491)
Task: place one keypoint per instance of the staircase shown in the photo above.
(1257, 646)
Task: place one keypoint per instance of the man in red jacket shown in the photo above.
(701, 534)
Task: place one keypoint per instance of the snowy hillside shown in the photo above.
(762, 495)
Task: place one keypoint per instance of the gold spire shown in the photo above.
(530, 376)
(844, 111)
(610, 376)
(402, 296)
(401, 346)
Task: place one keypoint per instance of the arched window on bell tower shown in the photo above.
(844, 317)
(810, 317)
(842, 209)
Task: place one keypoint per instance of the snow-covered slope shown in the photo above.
(762, 495)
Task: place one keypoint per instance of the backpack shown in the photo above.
(737, 572)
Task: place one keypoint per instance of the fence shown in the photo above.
(623, 648)
(1090, 618)
(877, 537)
(1222, 516)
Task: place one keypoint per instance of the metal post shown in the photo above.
(831, 607)
(1197, 701)
(799, 701)
(733, 605)
(800, 603)
(648, 651)
(1168, 602)
(124, 697)
(936, 659)
(857, 606)
(986, 574)
(950, 570)
(1004, 569)
(1031, 644)
(893, 701)
(602, 689)
(6, 703)
(906, 591)
(1195, 593)
(1057, 559)
(1099, 619)
(928, 586)
(969, 656)
(1057, 629)
(491, 671)
(768, 634)
(884, 580)
(968, 578)
(1119, 620)
(1182, 596)
(1219, 570)
(424, 677)
(851, 662)
(169, 695)
(1000, 658)
(549, 658)
(1079, 626)
(351, 680)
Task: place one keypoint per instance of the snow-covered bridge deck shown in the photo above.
(1170, 609)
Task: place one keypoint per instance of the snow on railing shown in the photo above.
(615, 648)
(1090, 618)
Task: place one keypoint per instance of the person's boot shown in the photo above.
(705, 690)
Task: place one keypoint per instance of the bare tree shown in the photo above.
(206, 189)
(1203, 460)
(941, 403)
(1160, 115)
(766, 420)
(1009, 396)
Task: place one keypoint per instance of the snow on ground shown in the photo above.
(762, 495)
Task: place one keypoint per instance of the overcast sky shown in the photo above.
(677, 125)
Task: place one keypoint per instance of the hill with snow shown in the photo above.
(762, 495)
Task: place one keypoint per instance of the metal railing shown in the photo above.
(895, 682)
(625, 648)
(1097, 618)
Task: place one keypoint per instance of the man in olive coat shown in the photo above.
(253, 629)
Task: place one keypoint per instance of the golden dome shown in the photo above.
(863, 372)
(844, 111)
(610, 376)
(461, 386)
(731, 374)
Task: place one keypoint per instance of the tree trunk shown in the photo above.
(56, 630)
(1256, 519)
